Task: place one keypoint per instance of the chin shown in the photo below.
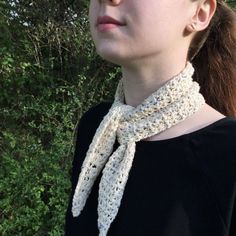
(111, 56)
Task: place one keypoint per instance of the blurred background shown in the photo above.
(49, 76)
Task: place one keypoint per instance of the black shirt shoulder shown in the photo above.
(216, 142)
(93, 117)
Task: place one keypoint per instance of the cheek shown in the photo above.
(160, 29)
(93, 11)
(92, 17)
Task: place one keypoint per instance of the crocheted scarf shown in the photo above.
(176, 100)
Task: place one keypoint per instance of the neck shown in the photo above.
(141, 81)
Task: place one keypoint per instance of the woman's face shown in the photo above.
(147, 28)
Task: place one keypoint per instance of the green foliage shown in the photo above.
(49, 76)
(232, 3)
(35, 186)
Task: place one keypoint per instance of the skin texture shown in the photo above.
(152, 45)
(151, 30)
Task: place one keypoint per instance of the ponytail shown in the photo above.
(213, 55)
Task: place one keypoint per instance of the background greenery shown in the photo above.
(49, 76)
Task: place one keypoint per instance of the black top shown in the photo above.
(182, 186)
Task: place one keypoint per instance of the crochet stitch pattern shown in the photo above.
(176, 100)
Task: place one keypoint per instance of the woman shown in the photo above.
(161, 158)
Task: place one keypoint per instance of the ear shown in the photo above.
(203, 15)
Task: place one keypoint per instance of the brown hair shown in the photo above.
(213, 54)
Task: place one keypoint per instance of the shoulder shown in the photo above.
(228, 128)
(90, 121)
(100, 108)
(215, 148)
(96, 113)
(218, 136)
(222, 131)
(212, 127)
(225, 135)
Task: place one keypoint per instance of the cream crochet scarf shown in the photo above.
(176, 100)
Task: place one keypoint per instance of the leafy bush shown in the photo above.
(49, 76)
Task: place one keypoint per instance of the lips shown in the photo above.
(105, 23)
(108, 20)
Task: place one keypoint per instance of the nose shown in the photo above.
(111, 2)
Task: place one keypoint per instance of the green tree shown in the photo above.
(49, 76)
